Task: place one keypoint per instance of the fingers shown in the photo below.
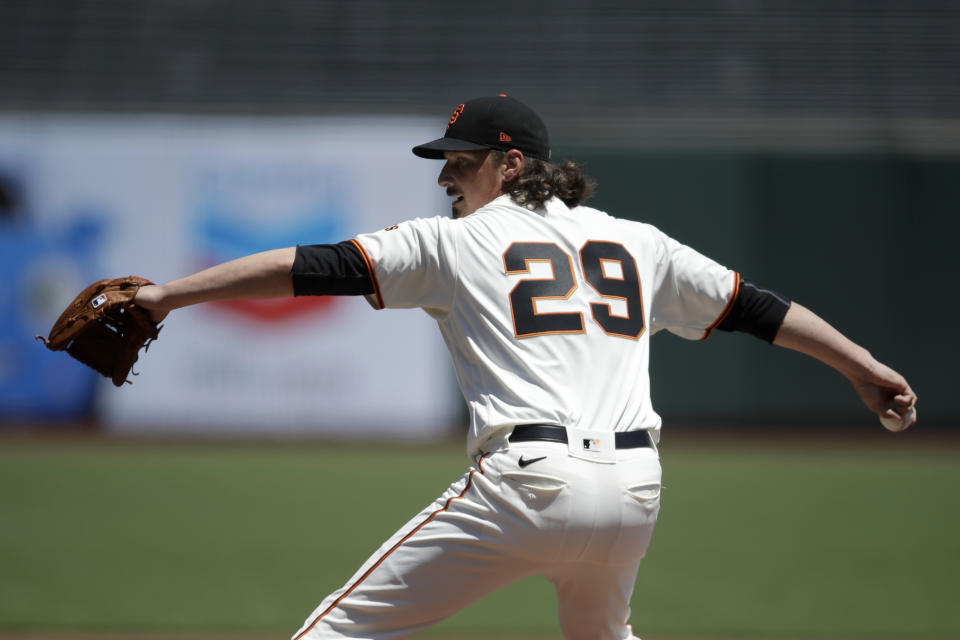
(898, 392)
(899, 418)
(897, 410)
(903, 404)
(889, 396)
(885, 377)
(905, 400)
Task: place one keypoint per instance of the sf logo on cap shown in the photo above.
(456, 114)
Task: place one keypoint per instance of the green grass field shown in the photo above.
(755, 540)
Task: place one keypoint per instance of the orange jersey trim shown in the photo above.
(370, 269)
(726, 310)
(394, 548)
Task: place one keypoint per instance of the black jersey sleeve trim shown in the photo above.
(756, 311)
(331, 270)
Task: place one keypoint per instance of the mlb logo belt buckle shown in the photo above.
(595, 446)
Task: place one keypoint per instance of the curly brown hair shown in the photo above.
(539, 181)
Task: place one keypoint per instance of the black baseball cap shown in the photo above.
(495, 122)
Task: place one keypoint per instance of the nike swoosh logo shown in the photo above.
(523, 462)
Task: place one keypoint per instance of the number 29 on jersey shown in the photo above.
(610, 284)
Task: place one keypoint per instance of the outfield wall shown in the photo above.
(862, 237)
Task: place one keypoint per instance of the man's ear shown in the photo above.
(512, 165)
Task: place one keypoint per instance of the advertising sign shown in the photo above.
(165, 197)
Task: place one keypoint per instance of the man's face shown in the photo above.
(472, 178)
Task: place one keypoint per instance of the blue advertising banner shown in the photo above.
(40, 266)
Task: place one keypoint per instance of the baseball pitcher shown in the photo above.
(547, 307)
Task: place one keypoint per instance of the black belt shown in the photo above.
(556, 433)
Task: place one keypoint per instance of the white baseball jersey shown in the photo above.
(548, 314)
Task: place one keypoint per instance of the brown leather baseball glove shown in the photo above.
(103, 329)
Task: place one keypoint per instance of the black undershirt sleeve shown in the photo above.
(756, 311)
(330, 270)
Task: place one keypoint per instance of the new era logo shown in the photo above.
(505, 137)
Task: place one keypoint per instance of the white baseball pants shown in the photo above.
(584, 525)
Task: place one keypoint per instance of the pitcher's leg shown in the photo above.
(594, 601)
(593, 590)
(439, 562)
